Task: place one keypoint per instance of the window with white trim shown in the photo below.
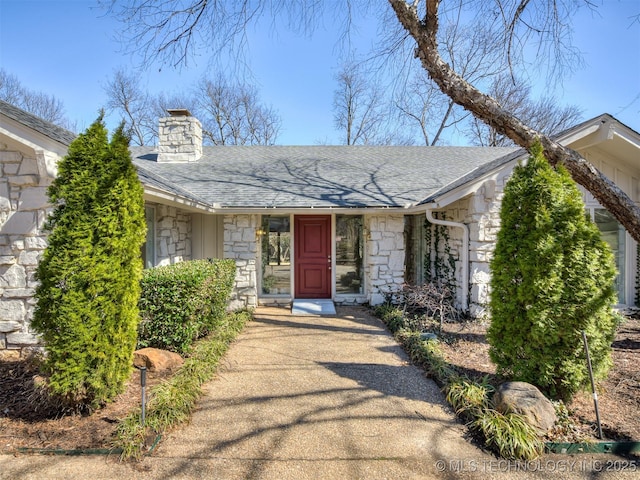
(149, 246)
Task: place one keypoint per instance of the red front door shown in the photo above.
(312, 258)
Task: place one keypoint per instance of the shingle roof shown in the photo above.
(152, 180)
(303, 176)
(48, 129)
(321, 176)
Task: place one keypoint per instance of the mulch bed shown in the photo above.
(465, 345)
(29, 420)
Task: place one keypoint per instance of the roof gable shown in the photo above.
(603, 132)
(34, 136)
(48, 129)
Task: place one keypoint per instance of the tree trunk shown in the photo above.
(488, 110)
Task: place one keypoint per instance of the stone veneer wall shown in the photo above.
(23, 209)
(179, 139)
(484, 224)
(481, 212)
(241, 245)
(173, 235)
(24, 206)
(384, 261)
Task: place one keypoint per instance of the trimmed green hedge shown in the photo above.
(183, 302)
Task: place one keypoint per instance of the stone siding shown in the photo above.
(384, 260)
(173, 235)
(179, 139)
(481, 213)
(240, 244)
(24, 206)
(484, 223)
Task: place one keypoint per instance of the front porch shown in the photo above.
(364, 259)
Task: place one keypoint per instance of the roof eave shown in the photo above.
(311, 210)
(157, 195)
(606, 126)
(450, 194)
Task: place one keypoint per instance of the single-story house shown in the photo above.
(349, 224)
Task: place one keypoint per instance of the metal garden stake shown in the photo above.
(593, 385)
(143, 384)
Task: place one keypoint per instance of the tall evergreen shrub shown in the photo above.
(551, 278)
(90, 273)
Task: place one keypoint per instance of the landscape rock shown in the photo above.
(157, 360)
(428, 336)
(525, 399)
(9, 355)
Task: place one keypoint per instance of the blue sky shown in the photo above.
(67, 48)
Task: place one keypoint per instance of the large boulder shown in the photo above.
(156, 360)
(525, 399)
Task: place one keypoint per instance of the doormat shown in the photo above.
(313, 307)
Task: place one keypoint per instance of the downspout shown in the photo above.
(464, 255)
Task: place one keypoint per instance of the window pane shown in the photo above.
(349, 254)
(614, 234)
(414, 240)
(276, 255)
(149, 247)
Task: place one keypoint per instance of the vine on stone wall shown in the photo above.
(427, 262)
(439, 261)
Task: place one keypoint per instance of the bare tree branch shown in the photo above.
(475, 53)
(126, 97)
(545, 115)
(42, 105)
(424, 32)
(357, 106)
(233, 114)
(167, 30)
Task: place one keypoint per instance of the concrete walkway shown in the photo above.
(305, 397)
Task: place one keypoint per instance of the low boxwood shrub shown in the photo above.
(183, 302)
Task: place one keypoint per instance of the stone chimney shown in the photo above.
(179, 137)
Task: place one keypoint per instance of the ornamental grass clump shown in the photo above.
(171, 402)
(469, 399)
(391, 315)
(552, 277)
(429, 355)
(509, 435)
